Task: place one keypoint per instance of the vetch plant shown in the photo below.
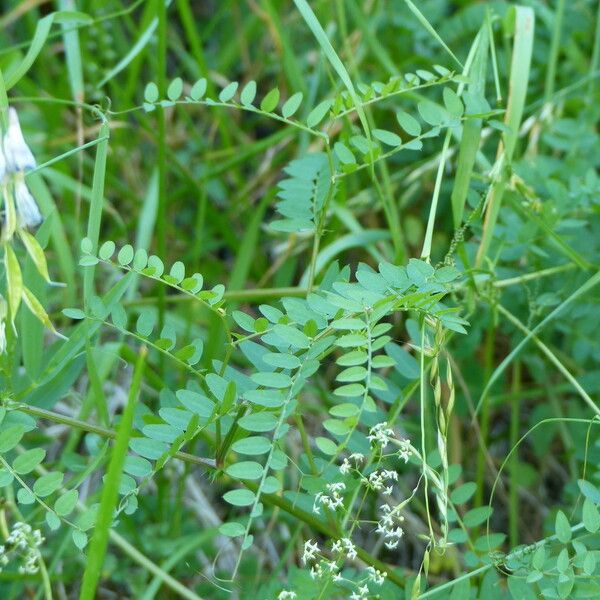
(329, 321)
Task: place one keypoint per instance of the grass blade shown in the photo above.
(110, 489)
(313, 23)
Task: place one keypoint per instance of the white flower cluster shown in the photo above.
(310, 551)
(24, 541)
(361, 594)
(347, 465)
(321, 566)
(376, 576)
(345, 548)
(389, 526)
(15, 159)
(380, 435)
(381, 481)
(332, 499)
(286, 595)
(405, 451)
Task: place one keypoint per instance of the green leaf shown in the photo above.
(291, 105)
(80, 538)
(248, 93)
(36, 253)
(26, 497)
(344, 410)
(48, 483)
(65, 504)
(29, 460)
(35, 306)
(125, 255)
(258, 422)
(146, 322)
(175, 89)
(336, 427)
(463, 493)
(589, 490)
(408, 123)
(148, 448)
(356, 357)
(151, 93)
(239, 497)
(430, 113)
(232, 529)
(140, 259)
(291, 335)
(352, 390)
(73, 313)
(453, 103)
(477, 516)
(282, 361)
(352, 374)
(6, 478)
(270, 101)
(177, 272)
(317, 114)
(138, 466)
(387, 137)
(198, 90)
(562, 527)
(326, 446)
(539, 557)
(229, 91)
(591, 516)
(272, 380)
(106, 250)
(589, 564)
(246, 469)
(344, 154)
(349, 324)
(252, 445)
(14, 280)
(10, 437)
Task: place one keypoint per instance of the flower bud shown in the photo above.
(18, 156)
(27, 209)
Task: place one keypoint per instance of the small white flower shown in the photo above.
(333, 499)
(357, 457)
(286, 595)
(310, 550)
(316, 572)
(332, 566)
(27, 208)
(380, 434)
(361, 594)
(389, 526)
(345, 467)
(23, 541)
(376, 576)
(405, 451)
(344, 546)
(18, 156)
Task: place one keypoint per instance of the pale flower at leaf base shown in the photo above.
(27, 209)
(15, 159)
(18, 155)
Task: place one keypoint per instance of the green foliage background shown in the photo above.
(276, 225)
